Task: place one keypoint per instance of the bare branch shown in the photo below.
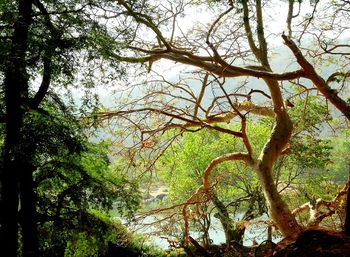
(290, 17)
(224, 158)
(229, 70)
(331, 50)
(146, 20)
(309, 20)
(211, 46)
(261, 37)
(319, 82)
(259, 91)
(334, 75)
(249, 33)
(314, 208)
(188, 122)
(201, 94)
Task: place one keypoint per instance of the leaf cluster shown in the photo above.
(74, 186)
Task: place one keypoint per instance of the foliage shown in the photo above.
(92, 243)
(74, 185)
(44, 44)
(339, 165)
(87, 244)
(183, 165)
(300, 175)
(310, 115)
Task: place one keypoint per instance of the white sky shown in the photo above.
(274, 15)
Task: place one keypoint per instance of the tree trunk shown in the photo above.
(9, 206)
(280, 135)
(231, 233)
(28, 215)
(16, 89)
(279, 138)
(278, 209)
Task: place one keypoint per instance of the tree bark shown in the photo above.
(278, 209)
(279, 138)
(28, 215)
(16, 89)
(231, 233)
(321, 84)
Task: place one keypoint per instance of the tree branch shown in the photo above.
(313, 206)
(188, 122)
(146, 20)
(261, 37)
(224, 158)
(319, 82)
(249, 33)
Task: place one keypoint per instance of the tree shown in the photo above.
(40, 41)
(233, 45)
(74, 185)
(236, 186)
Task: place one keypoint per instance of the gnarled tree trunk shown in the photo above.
(280, 135)
(279, 138)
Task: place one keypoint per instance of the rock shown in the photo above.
(146, 197)
(160, 197)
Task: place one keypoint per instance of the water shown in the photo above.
(257, 231)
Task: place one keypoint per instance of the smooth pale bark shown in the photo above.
(278, 209)
(279, 138)
(280, 135)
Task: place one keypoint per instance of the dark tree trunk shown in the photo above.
(200, 250)
(28, 215)
(16, 89)
(231, 232)
(9, 207)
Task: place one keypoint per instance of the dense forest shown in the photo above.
(174, 128)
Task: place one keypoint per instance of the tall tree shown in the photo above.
(233, 45)
(40, 41)
(74, 185)
(16, 93)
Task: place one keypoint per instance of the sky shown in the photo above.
(275, 13)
